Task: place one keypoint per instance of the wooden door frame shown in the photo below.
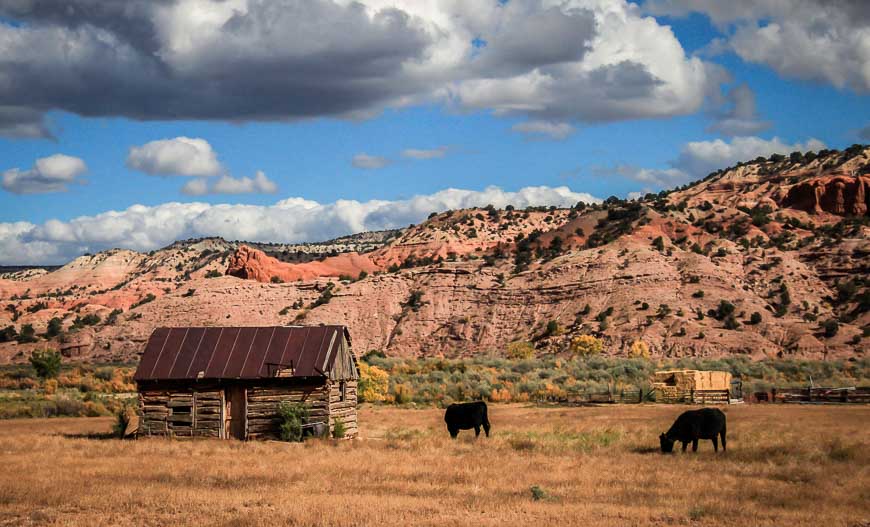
(227, 431)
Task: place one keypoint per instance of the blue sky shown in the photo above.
(615, 153)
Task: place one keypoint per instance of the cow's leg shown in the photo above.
(694, 445)
(486, 428)
(715, 444)
(477, 431)
(685, 444)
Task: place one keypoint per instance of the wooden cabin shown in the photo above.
(227, 382)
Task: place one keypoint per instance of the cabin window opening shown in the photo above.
(342, 389)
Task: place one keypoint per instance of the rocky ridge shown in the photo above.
(768, 258)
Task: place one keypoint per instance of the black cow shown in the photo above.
(465, 416)
(706, 423)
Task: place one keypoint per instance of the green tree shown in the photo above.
(46, 363)
(292, 416)
(552, 330)
(55, 327)
(8, 334)
(27, 334)
(831, 328)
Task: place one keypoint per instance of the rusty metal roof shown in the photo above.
(239, 352)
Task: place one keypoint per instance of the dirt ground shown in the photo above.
(591, 466)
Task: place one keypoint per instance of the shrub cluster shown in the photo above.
(444, 381)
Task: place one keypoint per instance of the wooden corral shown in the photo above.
(229, 382)
(692, 386)
(821, 395)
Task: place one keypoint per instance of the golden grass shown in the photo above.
(786, 466)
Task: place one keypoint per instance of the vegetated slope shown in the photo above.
(768, 258)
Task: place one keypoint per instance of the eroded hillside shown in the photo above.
(768, 258)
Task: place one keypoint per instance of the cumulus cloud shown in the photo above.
(49, 174)
(546, 129)
(572, 60)
(259, 184)
(23, 123)
(739, 116)
(667, 177)
(363, 160)
(181, 156)
(290, 220)
(699, 158)
(415, 153)
(616, 64)
(819, 40)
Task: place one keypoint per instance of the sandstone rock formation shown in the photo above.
(843, 195)
(254, 264)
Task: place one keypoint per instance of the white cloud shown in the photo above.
(638, 195)
(557, 60)
(196, 187)
(414, 153)
(290, 220)
(666, 177)
(553, 130)
(819, 40)
(259, 184)
(181, 156)
(363, 160)
(595, 60)
(699, 158)
(740, 117)
(49, 174)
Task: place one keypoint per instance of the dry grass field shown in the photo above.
(593, 466)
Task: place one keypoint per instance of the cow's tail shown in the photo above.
(722, 434)
(486, 421)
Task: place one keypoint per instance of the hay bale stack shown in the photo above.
(683, 386)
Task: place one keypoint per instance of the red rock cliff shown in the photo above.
(841, 195)
(253, 264)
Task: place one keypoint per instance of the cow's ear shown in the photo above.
(661, 436)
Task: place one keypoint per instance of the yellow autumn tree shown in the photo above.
(639, 349)
(373, 383)
(586, 345)
(520, 349)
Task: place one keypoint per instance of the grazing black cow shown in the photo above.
(465, 416)
(706, 423)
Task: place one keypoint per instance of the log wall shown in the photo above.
(184, 412)
(180, 413)
(263, 402)
(344, 411)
